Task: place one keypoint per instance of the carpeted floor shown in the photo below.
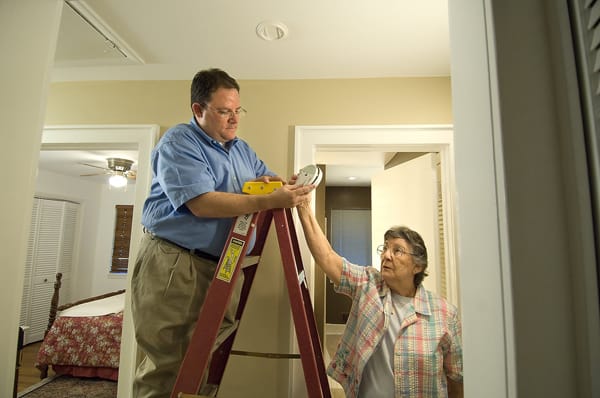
(71, 387)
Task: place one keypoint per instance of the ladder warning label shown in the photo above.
(242, 224)
(230, 260)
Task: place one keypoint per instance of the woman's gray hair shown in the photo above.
(417, 247)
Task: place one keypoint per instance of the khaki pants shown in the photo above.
(168, 288)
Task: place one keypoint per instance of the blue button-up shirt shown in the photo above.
(186, 163)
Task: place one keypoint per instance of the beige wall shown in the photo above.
(274, 107)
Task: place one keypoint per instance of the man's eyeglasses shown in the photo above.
(396, 251)
(227, 113)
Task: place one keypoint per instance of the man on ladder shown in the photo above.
(199, 170)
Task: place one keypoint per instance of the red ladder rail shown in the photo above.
(302, 311)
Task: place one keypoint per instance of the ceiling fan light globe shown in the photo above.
(117, 181)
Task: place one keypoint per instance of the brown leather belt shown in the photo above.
(195, 252)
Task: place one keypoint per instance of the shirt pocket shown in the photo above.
(425, 356)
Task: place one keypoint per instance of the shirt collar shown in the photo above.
(420, 301)
(208, 138)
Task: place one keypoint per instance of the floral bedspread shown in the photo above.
(83, 341)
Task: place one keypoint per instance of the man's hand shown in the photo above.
(290, 195)
(291, 181)
(268, 179)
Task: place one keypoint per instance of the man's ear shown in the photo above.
(197, 109)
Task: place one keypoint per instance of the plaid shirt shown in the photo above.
(428, 349)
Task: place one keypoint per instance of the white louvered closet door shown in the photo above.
(66, 262)
(50, 250)
(25, 307)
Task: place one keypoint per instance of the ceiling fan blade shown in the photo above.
(98, 167)
(94, 174)
(131, 174)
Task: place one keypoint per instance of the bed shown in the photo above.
(83, 338)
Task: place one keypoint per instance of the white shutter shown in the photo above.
(585, 19)
(442, 272)
(48, 237)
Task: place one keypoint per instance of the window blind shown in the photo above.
(122, 238)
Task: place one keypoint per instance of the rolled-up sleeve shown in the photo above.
(182, 174)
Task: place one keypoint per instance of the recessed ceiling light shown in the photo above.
(352, 178)
(271, 30)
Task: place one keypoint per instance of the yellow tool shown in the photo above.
(261, 188)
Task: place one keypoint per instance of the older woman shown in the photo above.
(400, 339)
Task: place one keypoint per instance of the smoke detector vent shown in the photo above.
(271, 30)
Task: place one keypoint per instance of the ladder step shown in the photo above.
(265, 354)
(250, 260)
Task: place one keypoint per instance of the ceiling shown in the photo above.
(168, 40)
(172, 40)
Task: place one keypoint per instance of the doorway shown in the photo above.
(143, 138)
(309, 140)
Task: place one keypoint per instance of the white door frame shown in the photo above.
(143, 138)
(389, 138)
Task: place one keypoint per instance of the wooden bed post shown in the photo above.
(51, 318)
(54, 302)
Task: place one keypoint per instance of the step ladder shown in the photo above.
(233, 261)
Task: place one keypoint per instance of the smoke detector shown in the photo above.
(271, 30)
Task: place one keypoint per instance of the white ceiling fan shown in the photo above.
(118, 169)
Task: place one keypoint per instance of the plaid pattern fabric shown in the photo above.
(428, 349)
